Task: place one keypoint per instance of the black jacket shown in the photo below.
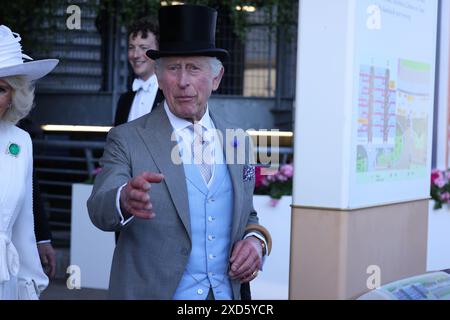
(125, 103)
(41, 225)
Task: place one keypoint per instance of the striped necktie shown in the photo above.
(201, 154)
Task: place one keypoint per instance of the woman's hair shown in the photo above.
(22, 98)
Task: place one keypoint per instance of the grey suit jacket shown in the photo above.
(151, 255)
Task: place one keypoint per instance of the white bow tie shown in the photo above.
(141, 84)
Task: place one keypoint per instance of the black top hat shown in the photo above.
(187, 30)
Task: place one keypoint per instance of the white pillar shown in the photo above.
(363, 138)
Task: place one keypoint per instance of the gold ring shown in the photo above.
(255, 273)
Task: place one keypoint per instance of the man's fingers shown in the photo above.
(139, 205)
(44, 260)
(137, 195)
(140, 209)
(246, 268)
(249, 278)
(246, 265)
(140, 183)
(241, 261)
(152, 177)
(238, 263)
(144, 180)
(240, 253)
(249, 274)
(236, 250)
(143, 214)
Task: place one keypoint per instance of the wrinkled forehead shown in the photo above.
(185, 60)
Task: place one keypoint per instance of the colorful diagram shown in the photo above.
(393, 114)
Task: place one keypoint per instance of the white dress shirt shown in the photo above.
(144, 98)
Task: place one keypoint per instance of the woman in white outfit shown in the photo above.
(21, 274)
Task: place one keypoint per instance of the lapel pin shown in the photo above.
(13, 149)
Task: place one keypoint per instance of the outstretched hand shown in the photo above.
(135, 198)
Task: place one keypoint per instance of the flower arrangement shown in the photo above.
(440, 187)
(275, 185)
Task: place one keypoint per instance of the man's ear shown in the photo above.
(216, 80)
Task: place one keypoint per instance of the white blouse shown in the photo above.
(21, 274)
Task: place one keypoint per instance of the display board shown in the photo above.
(364, 104)
(393, 99)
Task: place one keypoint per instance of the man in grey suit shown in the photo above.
(188, 227)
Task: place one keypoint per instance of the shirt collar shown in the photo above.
(179, 124)
(138, 83)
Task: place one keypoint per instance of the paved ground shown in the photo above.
(57, 290)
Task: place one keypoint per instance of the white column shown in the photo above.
(363, 140)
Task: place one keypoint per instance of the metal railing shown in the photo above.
(58, 164)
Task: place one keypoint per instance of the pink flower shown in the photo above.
(273, 202)
(439, 182)
(287, 170)
(434, 175)
(439, 186)
(271, 178)
(280, 177)
(445, 197)
(275, 182)
(437, 178)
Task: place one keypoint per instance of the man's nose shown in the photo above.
(137, 53)
(183, 79)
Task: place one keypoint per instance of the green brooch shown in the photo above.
(13, 149)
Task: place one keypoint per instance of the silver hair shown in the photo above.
(215, 64)
(22, 98)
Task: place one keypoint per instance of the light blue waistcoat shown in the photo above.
(211, 214)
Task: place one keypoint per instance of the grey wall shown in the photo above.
(247, 113)
(97, 109)
(73, 108)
